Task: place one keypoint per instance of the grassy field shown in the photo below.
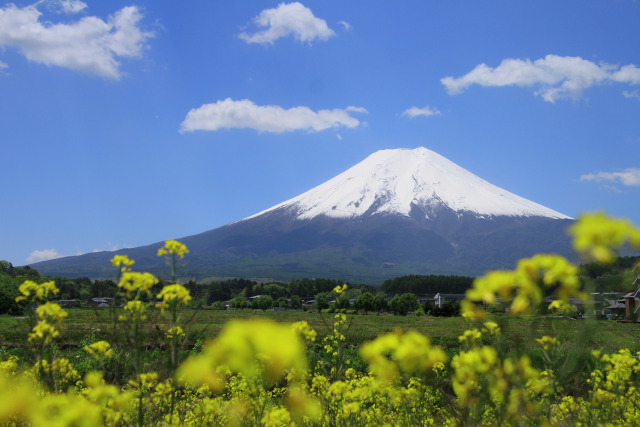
(606, 336)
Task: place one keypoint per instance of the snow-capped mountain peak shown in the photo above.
(392, 181)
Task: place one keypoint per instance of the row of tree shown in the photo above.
(295, 294)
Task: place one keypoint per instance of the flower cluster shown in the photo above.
(173, 294)
(524, 288)
(173, 247)
(99, 350)
(134, 284)
(123, 262)
(596, 236)
(36, 292)
(408, 353)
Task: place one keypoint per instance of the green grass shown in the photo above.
(572, 361)
(605, 336)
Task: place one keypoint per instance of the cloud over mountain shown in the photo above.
(43, 255)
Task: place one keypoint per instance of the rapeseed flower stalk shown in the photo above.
(333, 362)
(176, 250)
(172, 297)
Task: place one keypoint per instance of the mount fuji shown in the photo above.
(401, 211)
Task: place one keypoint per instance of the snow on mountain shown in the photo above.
(391, 181)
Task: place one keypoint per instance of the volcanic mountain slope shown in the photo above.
(397, 212)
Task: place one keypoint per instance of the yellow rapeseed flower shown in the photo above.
(43, 332)
(596, 235)
(173, 294)
(173, 247)
(409, 353)
(133, 282)
(547, 341)
(303, 328)
(340, 289)
(123, 262)
(240, 345)
(51, 313)
(99, 350)
(37, 292)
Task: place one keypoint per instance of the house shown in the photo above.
(440, 299)
(101, 302)
(614, 309)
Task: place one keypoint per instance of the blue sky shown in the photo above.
(127, 123)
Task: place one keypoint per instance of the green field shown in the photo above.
(607, 336)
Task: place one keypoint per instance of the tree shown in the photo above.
(296, 301)
(274, 290)
(217, 305)
(380, 302)
(322, 301)
(364, 302)
(342, 302)
(8, 294)
(6, 267)
(238, 302)
(263, 302)
(403, 304)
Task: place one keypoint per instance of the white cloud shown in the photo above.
(345, 24)
(627, 74)
(90, 44)
(43, 255)
(268, 118)
(72, 6)
(557, 76)
(285, 20)
(416, 112)
(3, 65)
(632, 94)
(353, 109)
(628, 177)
